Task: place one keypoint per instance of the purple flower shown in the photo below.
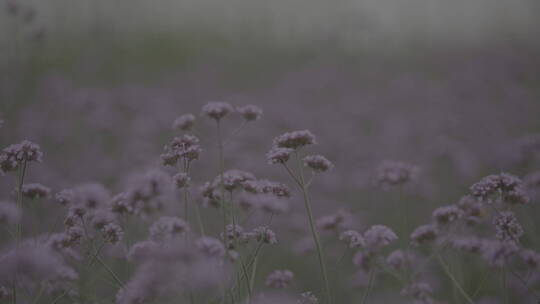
(250, 112)
(279, 278)
(295, 139)
(217, 110)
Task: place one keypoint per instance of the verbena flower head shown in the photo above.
(184, 122)
(353, 238)
(472, 209)
(250, 112)
(507, 227)
(14, 155)
(217, 110)
(112, 233)
(35, 191)
(233, 179)
(318, 163)
(278, 155)
(424, 234)
(265, 235)
(181, 180)
(295, 139)
(379, 236)
(279, 278)
(184, 147)
(168, 227)
(446, 214)
(395, 173)
(508, 187)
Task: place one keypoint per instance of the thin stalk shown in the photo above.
(453, 279)
(222, 188)
(307, 203)
(370, 284)
(504, 286)
(20, 182)
(110, 271)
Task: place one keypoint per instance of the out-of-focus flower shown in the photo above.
(184, 122)
(265, 235)
(446, 214)
(35, 191)
(217, 110)
(318, 163)
(211, 247)
(14, 155)
(421, 292)
(308, 298)
(250, 112)
(278, 155)
(167, 227)
(379, 236)
(295, 139)
(398, 259)
(338, 221)
(181, 180)
(423, 234)
(9, 213)
(65, 197)
(353, 238)
(531, 258)
(279, 278)
(497, 253)
(395, 173)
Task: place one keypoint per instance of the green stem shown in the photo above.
(504, 286)
(307, 203)
(453, 279)
(370, 284)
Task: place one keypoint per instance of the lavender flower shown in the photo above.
(318, 163)
(279, 278)
(397, 260)
(295, 139)
(337, 221)
(35, 191)
(250, 112)
(217, 110)
(184, 122)
(65, 197)
(14, 155)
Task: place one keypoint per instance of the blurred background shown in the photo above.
(450, 86)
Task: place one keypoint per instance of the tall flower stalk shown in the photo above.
(291, 143)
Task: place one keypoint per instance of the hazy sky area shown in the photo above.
(347, 23)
